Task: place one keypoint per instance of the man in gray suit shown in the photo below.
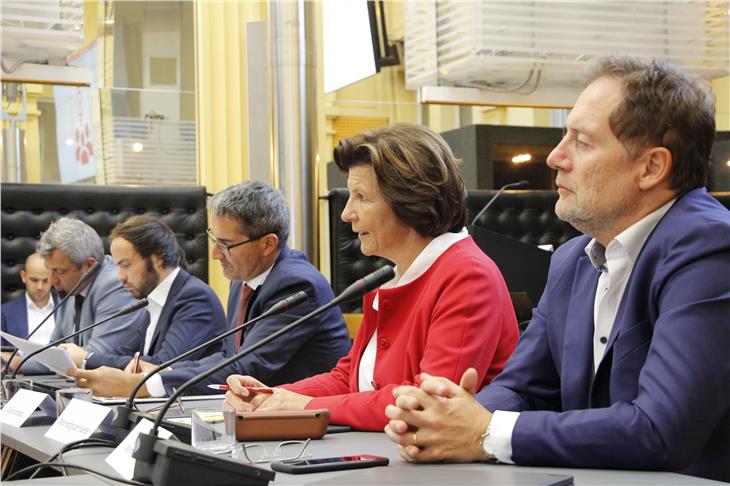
(69, 247)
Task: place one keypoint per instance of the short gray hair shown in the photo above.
(259, 208)
(75, 239)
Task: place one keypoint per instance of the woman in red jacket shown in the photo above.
(446, 310)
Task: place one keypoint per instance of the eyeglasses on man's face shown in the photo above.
(226, 248)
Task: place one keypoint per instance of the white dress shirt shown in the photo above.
(35, 316)
(157, 299)
(420, 265)
(155, 386)
(259, 280)
(615, 262)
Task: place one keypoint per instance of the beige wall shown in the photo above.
(721, 87)
(221, 100)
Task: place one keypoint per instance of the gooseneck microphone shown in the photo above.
(494, 198)
(121, 417)
(155, 460)
(90, 272)
(121, 312)
(364, 285)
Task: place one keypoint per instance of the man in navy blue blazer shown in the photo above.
(249, 229)
(625, 363)
(30, 308)
(183, 312)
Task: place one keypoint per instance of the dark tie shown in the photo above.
(78, 303)
(246, 292)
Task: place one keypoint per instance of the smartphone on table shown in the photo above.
(323, 464)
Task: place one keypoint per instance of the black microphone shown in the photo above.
(124, 311)
(494, 198)
(364, 285)
(90, 272)
(121, 416)
(160, 459)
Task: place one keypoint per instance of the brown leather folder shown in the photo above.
(303, 424)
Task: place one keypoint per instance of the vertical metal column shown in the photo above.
(13, 137)
(294, 121)
(13, 153)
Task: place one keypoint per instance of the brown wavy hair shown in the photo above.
(151, 236)
(416, 172)
(663, 106)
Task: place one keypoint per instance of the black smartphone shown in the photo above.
(322, 464)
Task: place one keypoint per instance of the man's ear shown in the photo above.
(656, 168)
(269, 244)
(158, 261)
(23, 275)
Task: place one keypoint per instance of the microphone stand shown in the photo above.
(167, 463)
(122, 421)
(494, 198)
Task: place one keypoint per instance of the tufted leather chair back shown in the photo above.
(525, 215)
(528, 216)
(28, 209)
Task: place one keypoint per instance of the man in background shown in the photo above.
(22, 314)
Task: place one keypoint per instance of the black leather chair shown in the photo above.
(28, 209)
(525, 215)
(528, 216)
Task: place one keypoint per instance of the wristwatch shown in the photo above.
(487, 447)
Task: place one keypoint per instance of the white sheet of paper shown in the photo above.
(78, 421)
(121, 458)
(21, 407)
(56, 359)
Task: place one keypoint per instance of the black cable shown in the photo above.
(78, 444)
(75, 466)
(535, 72)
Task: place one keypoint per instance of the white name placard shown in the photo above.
(121, 458)
(22, 405)
(78, 421)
